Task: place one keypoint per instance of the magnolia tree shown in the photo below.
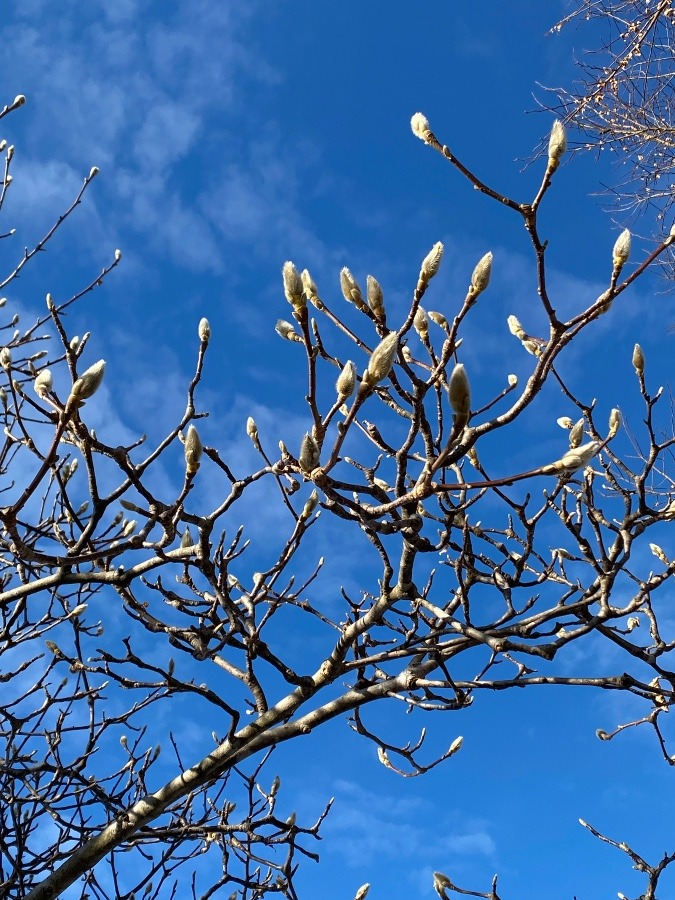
(121, 599)
(623, 98)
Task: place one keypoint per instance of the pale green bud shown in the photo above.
(204, 331)
(193, 450)
(557, 145)
(621, 250)
(309, 453)
(89, 382)
(375, 297)
(43, 383)
(293, 289)
(381, 359)
(350, 289)
(638, 359)
(346, 380)
(431, 262)
(481, 275)
(459, 391)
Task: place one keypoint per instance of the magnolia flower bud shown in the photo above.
(346, 380)
(578, 457)
(431, 263)
(293, 289)
(381, 359)
(459, 391)
(193, 450)
(621, 250)
(362, 892)
(128, 527)
(455, 745)
(441, 881)
(5, 357)
(565, 422)
(576, 433)
(614, 422)
(438, 318)
(187, 540)
(421, 323)
(659, 554)
(375, 297)
(309, 453)
(93, 172)
(118, 255)
(406, 354)
(204, 331)
(43, 383)
(512, 380)
(638, 359)
(285, 330)
(309, 287)
(89, 382)
(420, 126)
(310, 505)
(481, 275)
(19, 100)
(557, 145)
(632, 622)
(252, 430)
(515, 327)
(350, 289)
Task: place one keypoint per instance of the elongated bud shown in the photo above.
(459, 392)
(193, 450)
(441, 882)
(309, 287)
(621, 250)
(431, 263)
(659, 554)
(578, 457)
(381, 360)
(557, 144)
(455, 745)
(481, 275)
(614, 422)
(293, 289)
(350, 289)
(118, 255)
(577, 433)
(93, 172)
(638, 359)
(346, 380)
(309, 453)
(362, 892)
(128, 527)
(420, 127)
(187, 540)
(285, 330)
(89, 382)
(252, 430)
(43, 383)
(439, 319)
(5, 358)
(204, 331)
(516, 328)
(421, 323)
(375, 298)
(310, 505)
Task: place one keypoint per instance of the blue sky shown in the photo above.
(232, 137)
